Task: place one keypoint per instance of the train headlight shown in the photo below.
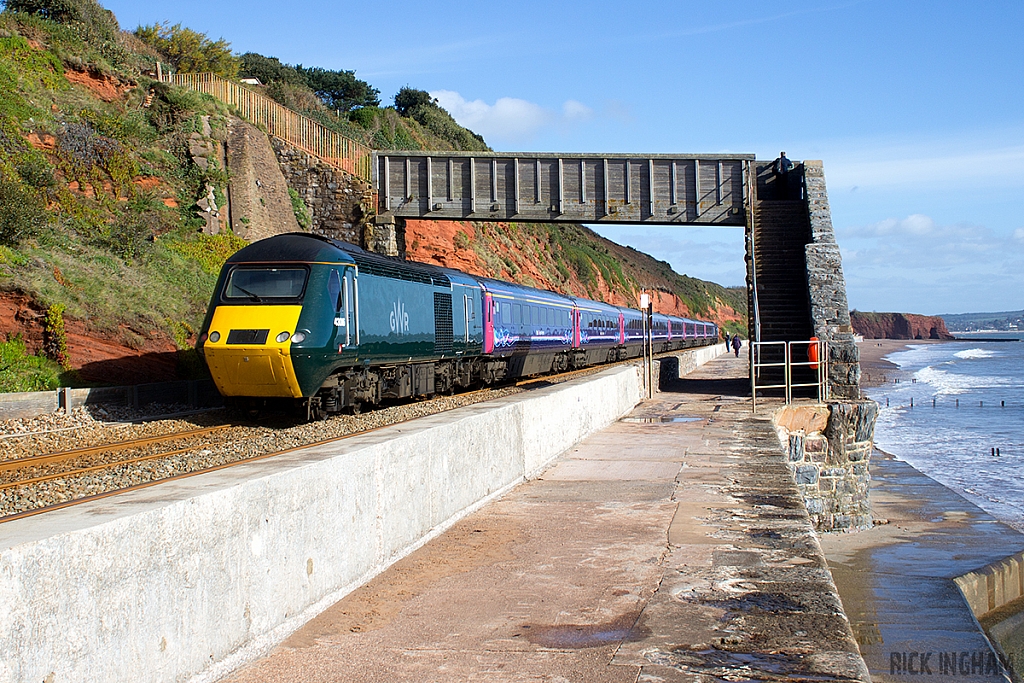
(215, 337)
(283, 337)
(298, 338)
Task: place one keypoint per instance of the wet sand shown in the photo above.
(874, 370)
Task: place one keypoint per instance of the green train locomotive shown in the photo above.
(331, 326)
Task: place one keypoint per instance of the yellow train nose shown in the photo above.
(244, 353)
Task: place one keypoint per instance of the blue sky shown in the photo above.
(916, 109)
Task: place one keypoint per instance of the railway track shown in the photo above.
(40, 468)
(41, 483)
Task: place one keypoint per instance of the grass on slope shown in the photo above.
(97, 195)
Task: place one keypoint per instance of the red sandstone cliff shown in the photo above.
(899, 326)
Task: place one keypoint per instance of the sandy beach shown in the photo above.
(876, 371)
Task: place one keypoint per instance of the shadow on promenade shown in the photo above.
(723, 376)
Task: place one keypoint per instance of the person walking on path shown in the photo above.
(736, 344)
(727, 341)
(781, 168)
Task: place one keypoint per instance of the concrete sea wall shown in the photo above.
(186, 580)
(194, 393)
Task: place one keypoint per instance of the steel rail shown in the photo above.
(37, 460)
(95, 468)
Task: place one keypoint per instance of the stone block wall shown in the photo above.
(259, 203)
(339, 203)
(828, 448)
(826, 286)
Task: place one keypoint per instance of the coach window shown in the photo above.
(517, 314)
(506, 313)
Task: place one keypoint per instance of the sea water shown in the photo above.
(968, 398)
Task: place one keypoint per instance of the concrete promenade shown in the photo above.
(671, 546)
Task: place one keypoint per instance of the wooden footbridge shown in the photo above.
(697, 189)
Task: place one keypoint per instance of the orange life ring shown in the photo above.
(812, 353)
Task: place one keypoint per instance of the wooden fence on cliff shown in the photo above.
(295, 129)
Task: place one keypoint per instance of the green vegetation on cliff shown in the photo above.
(97, 188)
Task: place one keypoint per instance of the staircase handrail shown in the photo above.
(312, 137)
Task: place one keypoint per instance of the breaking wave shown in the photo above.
(974, 353)
(950, 383)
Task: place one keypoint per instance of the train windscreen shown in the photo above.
(257, 284)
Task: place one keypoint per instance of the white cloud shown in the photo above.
(509, 119)
(914, 263)
(576, 111)
(916, 224)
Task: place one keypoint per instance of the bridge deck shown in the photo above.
(567, 188)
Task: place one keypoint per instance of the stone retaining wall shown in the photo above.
(829, 449)
(337, 201)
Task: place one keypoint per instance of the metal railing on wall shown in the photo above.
(297, 130)
(779, 355)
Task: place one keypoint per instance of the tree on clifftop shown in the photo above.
(339, 90)
(424, 109)
(89, 13)
(407, 99)
(190, 51)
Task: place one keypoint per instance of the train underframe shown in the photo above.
(350, 389)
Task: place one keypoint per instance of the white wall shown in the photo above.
(191, 578)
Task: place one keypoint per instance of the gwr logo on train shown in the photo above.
(399, 318)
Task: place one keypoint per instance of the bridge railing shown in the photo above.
(297, 130)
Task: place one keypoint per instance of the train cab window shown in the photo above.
(257, 284)
(334, 289)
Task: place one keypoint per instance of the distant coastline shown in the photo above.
(989, 335)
